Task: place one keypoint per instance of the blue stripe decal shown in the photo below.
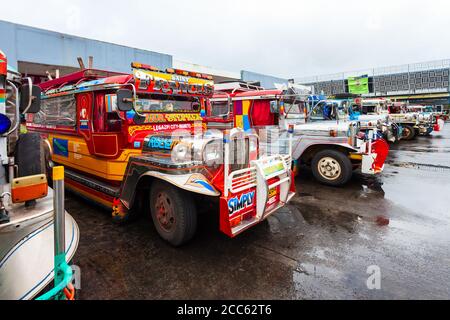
(205, 185)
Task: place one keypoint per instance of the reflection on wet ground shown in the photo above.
(318, 247)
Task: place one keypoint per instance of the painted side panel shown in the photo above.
(73, 152)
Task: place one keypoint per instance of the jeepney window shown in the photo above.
(163, 103)
(317, 111)
(342, 109)
(324, 111)
(58, 111)
(369, 108)
(219, 108)
(293, 108)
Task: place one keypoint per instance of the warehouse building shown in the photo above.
(34, 52)
(424, 83)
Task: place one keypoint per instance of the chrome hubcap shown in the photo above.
(329, 168)
(406, 132)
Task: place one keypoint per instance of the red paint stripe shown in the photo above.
(89, 192)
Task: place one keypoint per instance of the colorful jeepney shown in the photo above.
(136, 143)
(413, 123)
(349, 109)
(427, 115)
(29, 254)
(331, 149)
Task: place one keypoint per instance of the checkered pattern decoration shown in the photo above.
(241, 111)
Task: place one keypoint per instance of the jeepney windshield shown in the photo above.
(164, 103)
(369, 107)
(396, 109)
(329, 110)
(293, 105)
(293, 108)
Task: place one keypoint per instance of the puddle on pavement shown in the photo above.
(328, 218)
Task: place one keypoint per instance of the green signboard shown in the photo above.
(358, 85)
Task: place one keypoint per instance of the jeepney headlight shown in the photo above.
(213, 153)
(182, 152)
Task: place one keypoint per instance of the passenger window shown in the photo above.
(59, 111)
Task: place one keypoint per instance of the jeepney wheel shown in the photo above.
(173, 212)
(408, 133)
(331, 167)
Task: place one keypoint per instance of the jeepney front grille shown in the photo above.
(243, 179)
(240, 152)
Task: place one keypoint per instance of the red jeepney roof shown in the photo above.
(80, 76)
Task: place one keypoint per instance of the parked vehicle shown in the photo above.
(136, 143)
(332, 149)
(413, 123)
(349, 109)
(427, 115)
(27, 255)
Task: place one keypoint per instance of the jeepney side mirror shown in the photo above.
(138, 119)
(124, 100)
(30, 99)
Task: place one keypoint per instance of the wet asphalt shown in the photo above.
(318, 247)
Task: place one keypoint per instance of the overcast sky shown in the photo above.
(279, 37)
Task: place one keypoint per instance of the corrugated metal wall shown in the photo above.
(23, 43)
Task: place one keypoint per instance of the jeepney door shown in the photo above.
(101, 135)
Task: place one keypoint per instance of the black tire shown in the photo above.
(408, 133)
(30, 155)
(340, 171)
(182, 210)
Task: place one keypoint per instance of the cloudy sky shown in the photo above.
(279, 37)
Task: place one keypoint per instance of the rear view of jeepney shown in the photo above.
(139, 145)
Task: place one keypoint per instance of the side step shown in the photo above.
(92, 183)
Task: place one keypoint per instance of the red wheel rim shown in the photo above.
(165, 212)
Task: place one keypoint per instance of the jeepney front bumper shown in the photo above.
(255, 193)
(372, 158)
(425, 129)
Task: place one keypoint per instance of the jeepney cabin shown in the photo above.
(85, 130)
(238, 105)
